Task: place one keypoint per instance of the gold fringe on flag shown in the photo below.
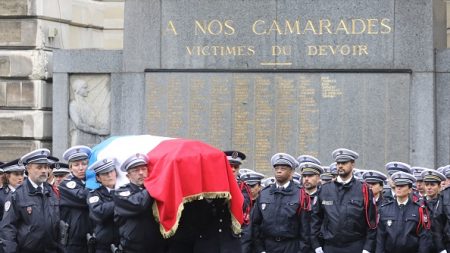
(235, 225)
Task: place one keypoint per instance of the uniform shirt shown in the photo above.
(277, 224)
(338, 214)
(133, 214)
(398, 229)
(101, 211)
(31, 220)
(75, 211)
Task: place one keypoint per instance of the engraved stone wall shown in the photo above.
(298, 113)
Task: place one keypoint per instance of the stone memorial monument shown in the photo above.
(273, 76)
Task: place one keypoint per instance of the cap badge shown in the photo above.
(78, 150)
(389, 223)
(234, 155)
(341, 152)
(42, 152)
(57, 166)
(395, 165)
(105, 160)
(263, 206)
(29, 210)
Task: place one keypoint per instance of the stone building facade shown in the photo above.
(29, 32)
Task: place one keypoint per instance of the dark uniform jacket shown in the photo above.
(247, 207)
(399, 230)
(4, 191)
(441, 222)
(138, 230)
(339, 215)
(205, 227)
(101, 211)
(277, 224)
(75, 212)
(31, 220)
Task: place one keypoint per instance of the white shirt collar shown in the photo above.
(404, 203)
(109, 189)
(34, 184)
(285, 185)
(339, 180)
(11, 188)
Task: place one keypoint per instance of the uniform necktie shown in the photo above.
(402, 205)
(39, 189)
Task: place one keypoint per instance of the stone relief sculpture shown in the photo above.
(89, 109)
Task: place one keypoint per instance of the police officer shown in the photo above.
(310, 180)
(326, 176)
(310, 177)
(375, 180)
(235, 158)
(417, 173)
(308, 158)
(404, 224)
(441, 220)
(432, 183)
(344, 211)
(60, 172)
(74, 208)
(138, 229)
(253, 180)
(391, 168)
(101, 206)
(14, 176)
(278, 224)
(31, 217)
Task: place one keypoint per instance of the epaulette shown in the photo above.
(69, 177)
(266, 187)
(420, 203)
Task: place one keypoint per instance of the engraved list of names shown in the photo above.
(261, 114)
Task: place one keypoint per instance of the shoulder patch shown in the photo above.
(7, 205)
(93, 199)
(71, 184)
(125, 193)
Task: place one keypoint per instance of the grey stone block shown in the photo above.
(142, 41)
(443, 60)
(14, 7)
(13, 149)
(25, 94)
(422, 120)
(87, 61)
(32, 64)
(128, 104)
(18, 33)
(31, 124)
(414, 36)
(60, 133)
(443, 118)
